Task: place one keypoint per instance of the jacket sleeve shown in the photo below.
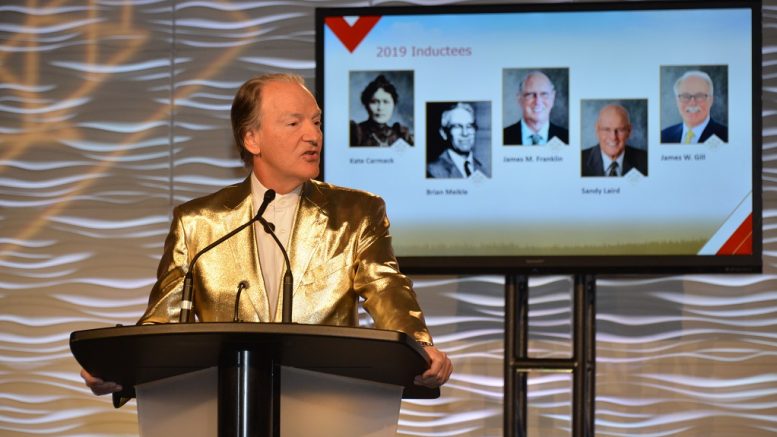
(164, 302)
(389, 296)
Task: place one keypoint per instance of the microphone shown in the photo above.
(269, 196)
(240, 287)
(288, 279)
(186, 298)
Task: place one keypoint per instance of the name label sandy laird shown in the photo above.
(600, 191)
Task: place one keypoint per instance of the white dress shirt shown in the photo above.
(281, 213)
(606, 161)
(459, 160)
(696, 131)
(526, 134)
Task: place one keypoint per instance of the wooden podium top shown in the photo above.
(133, 355)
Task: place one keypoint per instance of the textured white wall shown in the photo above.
(113, 111)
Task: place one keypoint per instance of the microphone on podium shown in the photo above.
(240, 287)
(186, 298)
(288, 278)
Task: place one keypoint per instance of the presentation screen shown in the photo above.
(607, 137)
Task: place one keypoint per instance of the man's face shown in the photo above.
(536, 99)
(613, 130)
(381, 106)
(287, 144)
(460, 131)
(694, 100)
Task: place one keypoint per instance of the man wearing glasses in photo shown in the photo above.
(536, 97)
(694, 92)
(458, 130)
(612, 156)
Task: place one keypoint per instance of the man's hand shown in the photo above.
(440, 369)
(97, 385)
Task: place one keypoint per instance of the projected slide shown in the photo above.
(546, 133)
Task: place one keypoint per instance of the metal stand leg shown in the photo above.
(517, 362)
(584, 341)
(516, 349)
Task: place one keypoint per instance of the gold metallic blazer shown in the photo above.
(340, 250)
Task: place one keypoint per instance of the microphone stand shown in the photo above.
(187, 299)
(288, 278)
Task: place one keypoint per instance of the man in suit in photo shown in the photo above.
(337, 239)
(694, 93)
(458, 130)
(613, 156)
(536, 97)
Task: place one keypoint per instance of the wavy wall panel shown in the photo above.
(113, 111)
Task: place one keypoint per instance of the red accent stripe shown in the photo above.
(741, 241)
(350, 36)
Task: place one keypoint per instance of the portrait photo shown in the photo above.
(535, 106)
(381, 108)
(694, 103)
(458, 140)
(614, 137)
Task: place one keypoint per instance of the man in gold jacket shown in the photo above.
(339, 244)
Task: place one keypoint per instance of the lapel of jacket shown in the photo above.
(708, 131)
(554, 131)
(628, 161)
(595, 161)
(478, 164)
(677, 134)
(450, 166)
(243, 247)
(308, 232)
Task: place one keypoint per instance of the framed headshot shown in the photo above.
(381, 108)
(694, 104)
(535, 106)
(458, 139)
(614, 137)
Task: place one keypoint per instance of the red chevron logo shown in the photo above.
(351, 36)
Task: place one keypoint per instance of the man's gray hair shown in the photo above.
(693, 73)
(445, 119)
(534, 73)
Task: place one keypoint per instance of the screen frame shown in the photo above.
(612, 264)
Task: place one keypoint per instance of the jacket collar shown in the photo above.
(308, 231)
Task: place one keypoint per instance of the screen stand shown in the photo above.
(518, 364)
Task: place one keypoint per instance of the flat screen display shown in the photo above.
(608, 137)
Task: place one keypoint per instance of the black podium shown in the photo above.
(249, 357)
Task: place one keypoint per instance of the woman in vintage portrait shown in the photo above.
(380, 99)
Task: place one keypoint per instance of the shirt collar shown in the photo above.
(697, 130)
(526, 133)
(459, 160)
(606, 161)
(289, 199)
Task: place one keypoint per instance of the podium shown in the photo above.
(248, 363)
